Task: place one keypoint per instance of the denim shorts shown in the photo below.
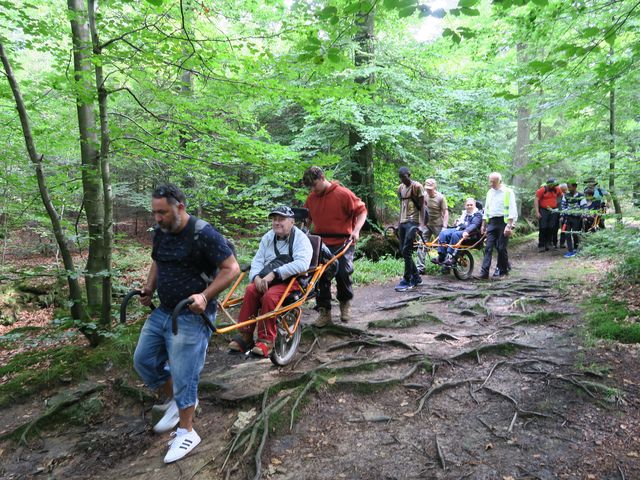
(185, 352)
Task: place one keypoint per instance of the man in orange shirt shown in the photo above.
(546, 207)
(337, 215)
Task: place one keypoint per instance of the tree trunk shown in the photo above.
(362, 175)
(612, 146)
(107, 192)
(523, 135)
(75, 292)
(91, 169)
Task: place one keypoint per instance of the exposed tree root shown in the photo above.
(385, 381)
(524, 413)
(339, 330)
(306, 388)
(57, 404)
(439, 388)
(405, 322)
(374, 342)
(494, 347)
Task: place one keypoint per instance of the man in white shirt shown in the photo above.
(500, 215)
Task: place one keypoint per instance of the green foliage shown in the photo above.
(621, 244)
(612, 320)
(367, 272)
(35, 370)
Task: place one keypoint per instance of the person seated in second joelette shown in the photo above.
(467, 226)
(284, 251)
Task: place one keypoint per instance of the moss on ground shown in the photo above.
(612, 320)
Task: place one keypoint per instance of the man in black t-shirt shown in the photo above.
(190, 260)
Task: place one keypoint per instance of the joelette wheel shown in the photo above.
(464, 265)
(286, 344)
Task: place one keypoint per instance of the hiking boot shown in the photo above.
(324, 317)
(345, 311)
(569, 254)
(416, 281)
(403, 286)
(183, 443)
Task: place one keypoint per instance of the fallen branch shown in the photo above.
(492, 430)
(440, 454)
(489, 376)
(513, 421)
(374, 419)
(303, 356)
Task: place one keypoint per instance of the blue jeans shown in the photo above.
(449, 236)
(185, 352)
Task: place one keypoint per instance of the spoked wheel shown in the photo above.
(464, 265)
(286, 344)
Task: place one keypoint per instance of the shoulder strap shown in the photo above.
(414, 199)
(291, 238)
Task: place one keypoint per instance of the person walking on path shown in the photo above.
(191, 259)
(499, 221)
(546, 203)
(337, 215)
(436, 216)
(411, 195)
(572, 218)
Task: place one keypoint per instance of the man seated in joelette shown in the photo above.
(284, 251)
(468, 225)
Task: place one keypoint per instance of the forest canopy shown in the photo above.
(232, 100)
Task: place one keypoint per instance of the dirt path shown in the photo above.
(478, 379)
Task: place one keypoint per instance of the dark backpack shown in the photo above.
(193, 257)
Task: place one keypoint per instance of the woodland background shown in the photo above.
(234, 99)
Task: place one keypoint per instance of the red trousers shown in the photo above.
(255, 301)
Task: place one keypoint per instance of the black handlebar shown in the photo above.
(178, 309)
(125, 302)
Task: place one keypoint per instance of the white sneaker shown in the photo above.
(162, 407)
(170, 418)
(183, 443)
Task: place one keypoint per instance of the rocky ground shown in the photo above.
(478, 379)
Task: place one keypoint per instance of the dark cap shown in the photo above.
(552, 181)
(283, 211)
(591, 180)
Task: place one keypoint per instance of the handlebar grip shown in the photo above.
(178, 309)
(125, 302)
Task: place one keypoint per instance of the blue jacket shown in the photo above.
(470, 223)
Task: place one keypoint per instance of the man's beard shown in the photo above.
(175, 225)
